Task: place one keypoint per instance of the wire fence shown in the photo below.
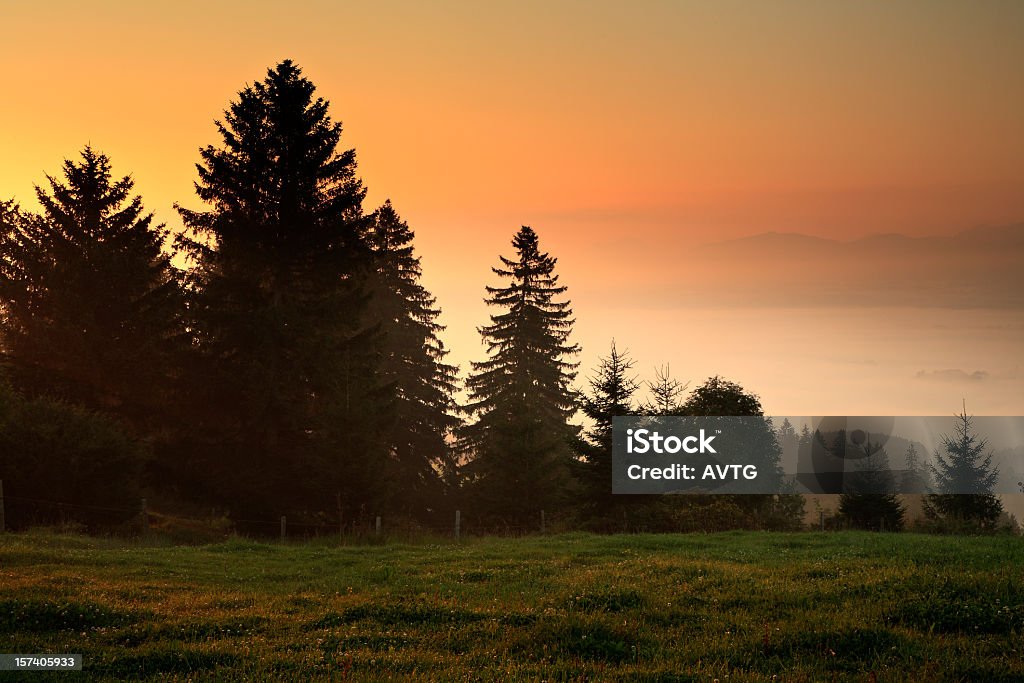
(23, 512)
(136, 517)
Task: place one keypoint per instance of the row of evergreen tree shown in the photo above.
(295, 361)
(964, 466)
(295, 365)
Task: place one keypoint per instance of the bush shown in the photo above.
(61, 464)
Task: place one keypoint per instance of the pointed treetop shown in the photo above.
(88, 196)
(525, 239)
(279, 177)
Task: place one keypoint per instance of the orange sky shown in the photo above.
(595, 122)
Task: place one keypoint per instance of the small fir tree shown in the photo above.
(964, 479)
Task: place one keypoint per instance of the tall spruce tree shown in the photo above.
(964, 479)
(520, 446)
(423, 413)
(92, 307)
(611, 395)
(286, 378)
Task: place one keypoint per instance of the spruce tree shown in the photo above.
(519, 447)
(805, 437)
(788, 437)
(665, 394)
(92, 307)
(789, 442)
(916, 478)
(611, 395)
(964, 479)
(422, 415)
(286, 376)
(868, 500)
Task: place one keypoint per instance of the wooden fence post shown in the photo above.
(376, 528)
(821, 519)
(458, 524)
(284, 527)
(542, 526)
(341, 522)
(3, 521)
(144, 516)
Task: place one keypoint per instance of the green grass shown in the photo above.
(733, 607)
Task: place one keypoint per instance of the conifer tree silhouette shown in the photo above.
(665, 393)
(288, 369)
(92, 307)
(519, 447)
(868, 500)
(423, 413)
(611, 395)
(964, 479)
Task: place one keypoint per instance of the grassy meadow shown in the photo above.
(739, 606)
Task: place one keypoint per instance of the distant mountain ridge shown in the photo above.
(982, 267)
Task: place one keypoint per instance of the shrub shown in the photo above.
(61, 464)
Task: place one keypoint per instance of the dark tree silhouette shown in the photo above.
(665, 394)
(53, 451)
(287, 376)
(92, 307)
(519, 448)
(867, 500)
(423, 411)
(964, 479)
(611, 394)
(719, 397)
(789, 441)
(916, 478)
(805, 436)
